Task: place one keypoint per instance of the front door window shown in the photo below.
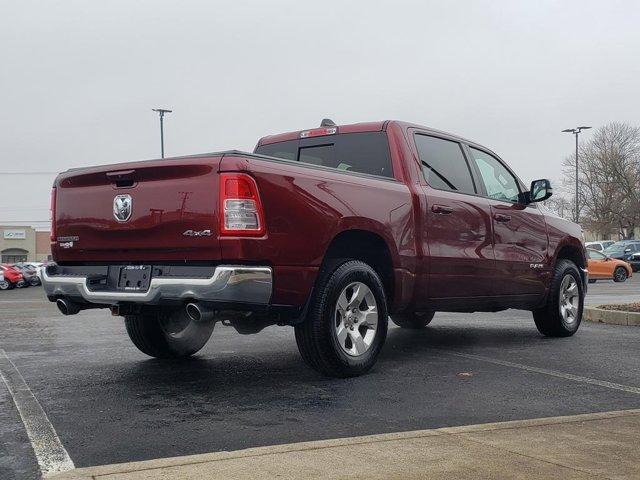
(499, 183)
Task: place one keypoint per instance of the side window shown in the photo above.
(595, 246)
(499, 183)
(364, 153)
(443, 164)
(593, 255)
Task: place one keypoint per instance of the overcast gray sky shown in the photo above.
(79, 78)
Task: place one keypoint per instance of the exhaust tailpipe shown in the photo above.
(198, 313)
(67, 307)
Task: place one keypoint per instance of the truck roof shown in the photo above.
(358, 128)
(350, 128)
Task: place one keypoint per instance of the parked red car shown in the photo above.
(10, 278)
(329, 230)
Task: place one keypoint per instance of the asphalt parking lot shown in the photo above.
(109, 403)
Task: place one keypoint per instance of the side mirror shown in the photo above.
(540, 190)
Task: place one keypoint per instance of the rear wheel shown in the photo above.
(620, 274)
(347, 321)
(168, 335)
(562, 314)
(5, 285)
(414, 320)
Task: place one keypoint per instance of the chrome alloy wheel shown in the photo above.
(356, 319)
(569, 299)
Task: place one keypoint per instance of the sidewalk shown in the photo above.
(600, 445)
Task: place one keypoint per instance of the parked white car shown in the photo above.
(599, 245)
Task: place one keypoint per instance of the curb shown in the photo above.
(153, 467)
(612, 317)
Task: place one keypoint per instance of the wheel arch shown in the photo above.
(576, 253)
(369, 247)
(573, 253)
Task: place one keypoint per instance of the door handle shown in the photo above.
(441, 209)
(499, 217)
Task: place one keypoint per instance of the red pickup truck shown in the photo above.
(330, 230)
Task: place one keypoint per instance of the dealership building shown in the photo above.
(24, 244)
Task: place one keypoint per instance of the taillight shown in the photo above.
(53, 214)
(241, 211)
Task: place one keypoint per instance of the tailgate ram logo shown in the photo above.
(122, 206)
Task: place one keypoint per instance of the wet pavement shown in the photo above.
(110, 403)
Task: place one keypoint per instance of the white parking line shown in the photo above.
(544, 371)
(51, 455)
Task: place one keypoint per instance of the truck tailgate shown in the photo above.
(161, 210)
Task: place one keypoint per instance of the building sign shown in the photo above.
(15, 234)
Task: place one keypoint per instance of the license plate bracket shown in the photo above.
(134, 277)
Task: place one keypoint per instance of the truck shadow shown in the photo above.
(460, 337)
(240, 371)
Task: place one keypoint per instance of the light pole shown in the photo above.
(161, 112)
(576, 131)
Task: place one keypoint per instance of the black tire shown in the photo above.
(413, 321)
(168, 334)
(591, 280)
(5, 285)
(620, 274)
(317, 338)
(549, 319)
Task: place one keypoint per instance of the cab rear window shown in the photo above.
(351, 152)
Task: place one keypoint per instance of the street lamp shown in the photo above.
(576, 131)
(161, 112)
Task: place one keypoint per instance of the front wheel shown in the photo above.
(168, 334)
(347, 321)
(561, 315)
(5, 285)
(413, 320)
(620, 274)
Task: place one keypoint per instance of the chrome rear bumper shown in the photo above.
(229, 283)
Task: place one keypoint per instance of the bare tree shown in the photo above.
(609, 179)
(561, 205)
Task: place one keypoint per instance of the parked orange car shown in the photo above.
(602, 267)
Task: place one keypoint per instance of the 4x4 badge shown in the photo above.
(197, 233)
(122, 207)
